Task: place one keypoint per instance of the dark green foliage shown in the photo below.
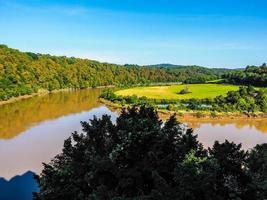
(252, 75)
(139, 157)
(257, 163)
(232, 179)
(108, 94)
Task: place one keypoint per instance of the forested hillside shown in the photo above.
(252, 75)
(23, 73)
(193, 73)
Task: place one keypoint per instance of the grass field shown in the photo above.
(198, 91)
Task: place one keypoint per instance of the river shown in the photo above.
(33, 130)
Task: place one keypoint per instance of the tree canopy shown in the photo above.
(140, 157)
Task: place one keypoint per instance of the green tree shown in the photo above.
(140, 157)
(257, 165)
(132, 159)
(232, 180)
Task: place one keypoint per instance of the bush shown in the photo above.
(213, 114)
(199, 114)
(170, 107)
(185, 90)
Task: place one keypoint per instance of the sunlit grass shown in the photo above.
(198, 91)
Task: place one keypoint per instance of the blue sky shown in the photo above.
(226, 33)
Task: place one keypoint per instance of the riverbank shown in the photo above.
(45, 92)
(195, 115)
(14, 99)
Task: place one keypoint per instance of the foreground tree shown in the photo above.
(140, 157)
(257, 165)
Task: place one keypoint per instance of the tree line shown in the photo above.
(252, 75)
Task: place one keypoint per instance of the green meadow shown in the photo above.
(198, 91)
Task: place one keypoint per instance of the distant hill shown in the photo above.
(193, 73)
(218, 71)
(18, 188)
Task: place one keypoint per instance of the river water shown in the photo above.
(33, 130)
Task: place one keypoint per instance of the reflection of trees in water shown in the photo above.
(257, 123)
(260, 124)
(17, 117)
(194, 125)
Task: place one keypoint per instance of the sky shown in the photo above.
(212, 33)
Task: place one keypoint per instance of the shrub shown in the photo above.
(170, 107)
(185, 90)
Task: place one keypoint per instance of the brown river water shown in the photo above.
(33, 130)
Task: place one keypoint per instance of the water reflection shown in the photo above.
(259, 124)
(19, 116)
(247, 135)
(41, 143)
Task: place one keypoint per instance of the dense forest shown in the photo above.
(140, 157)
(252, 75)
(23, 73)
(193, 73)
